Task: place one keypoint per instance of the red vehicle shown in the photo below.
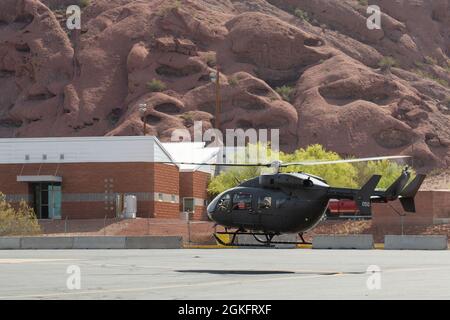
(342, 209)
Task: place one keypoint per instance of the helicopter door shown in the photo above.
(243, 212)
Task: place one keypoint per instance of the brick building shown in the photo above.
(432, 207)
(82, 178)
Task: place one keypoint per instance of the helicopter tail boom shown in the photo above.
(367, 195)
(362, 196)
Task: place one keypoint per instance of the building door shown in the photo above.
(47, 200)
(54, 200)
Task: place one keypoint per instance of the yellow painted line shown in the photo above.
(206, 246)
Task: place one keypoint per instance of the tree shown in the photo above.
(389, 171)
(345, 175)
(341, 175)
(231, 178)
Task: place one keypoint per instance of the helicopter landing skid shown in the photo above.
(268, 242)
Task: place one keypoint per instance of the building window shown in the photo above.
(44, 157)
(160, 197)
(173, 198)
(61, 156)
(188, 205)
(27, 157)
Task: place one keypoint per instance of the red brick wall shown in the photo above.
(90, 178)
(166, 178)
(429, 206)
(201, 180)
(194, 184)
(8, 180)
(166, 210)
(441, 203)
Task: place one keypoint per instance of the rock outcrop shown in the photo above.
(60, 82)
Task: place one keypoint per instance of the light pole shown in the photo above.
(215, 78)
(143, 112)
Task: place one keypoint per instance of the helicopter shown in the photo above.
(280, 203)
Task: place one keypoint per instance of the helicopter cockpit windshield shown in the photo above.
(242, 201)
(224, 203)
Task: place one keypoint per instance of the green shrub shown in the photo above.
(387, 63)
(299, 13)
(233, 81)
(419, 64)
(188, 118)
(430, 60)
(285, 92)
(211, 59)
(17, 222)
(447, 66)
(84, 3)
(447, 102)
(156, 85)
(430, 76)
(363, 2)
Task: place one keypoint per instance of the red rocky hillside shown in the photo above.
(57, 82)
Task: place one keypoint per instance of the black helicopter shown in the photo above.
(278, 203)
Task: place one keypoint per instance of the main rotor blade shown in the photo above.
(316, 163)
(287, 164)
(219, 164)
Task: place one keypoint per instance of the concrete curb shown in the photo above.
(10, 243)
(46, 243)
(94, 242)
(360, 241)
(98, 242)
(153, 242)
(415, 242)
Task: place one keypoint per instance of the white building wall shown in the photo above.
(82, 150)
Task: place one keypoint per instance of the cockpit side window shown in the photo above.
(224, 203)
(264, 202)
(242, 201)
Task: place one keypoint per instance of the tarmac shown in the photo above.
(224, 274)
